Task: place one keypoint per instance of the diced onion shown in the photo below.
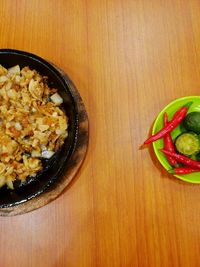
(14, 70)
(18, 126)
(55, 114)
(56, 98)
(47, 154)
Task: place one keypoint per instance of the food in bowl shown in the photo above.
(182, 153)
(33, 125)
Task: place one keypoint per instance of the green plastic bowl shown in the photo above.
(158, 124)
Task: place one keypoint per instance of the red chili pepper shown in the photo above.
(183, 170)
(183, 159)
(168, 143)
(177, 118)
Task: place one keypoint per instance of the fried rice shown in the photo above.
(32, 123)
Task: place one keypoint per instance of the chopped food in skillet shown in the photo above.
(32, 124)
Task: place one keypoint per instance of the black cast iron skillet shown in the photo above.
(54, 167)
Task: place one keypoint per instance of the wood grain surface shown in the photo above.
(128, 58)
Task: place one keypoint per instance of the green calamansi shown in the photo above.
(192, 122)
(188, 143)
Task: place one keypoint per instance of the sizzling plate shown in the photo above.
(55, 167)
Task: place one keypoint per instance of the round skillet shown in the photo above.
(60, 169)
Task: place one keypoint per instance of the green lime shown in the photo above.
(188, 144)
(192, 122)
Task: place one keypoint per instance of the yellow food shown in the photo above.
(32, 124)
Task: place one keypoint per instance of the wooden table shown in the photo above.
(128, 58)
